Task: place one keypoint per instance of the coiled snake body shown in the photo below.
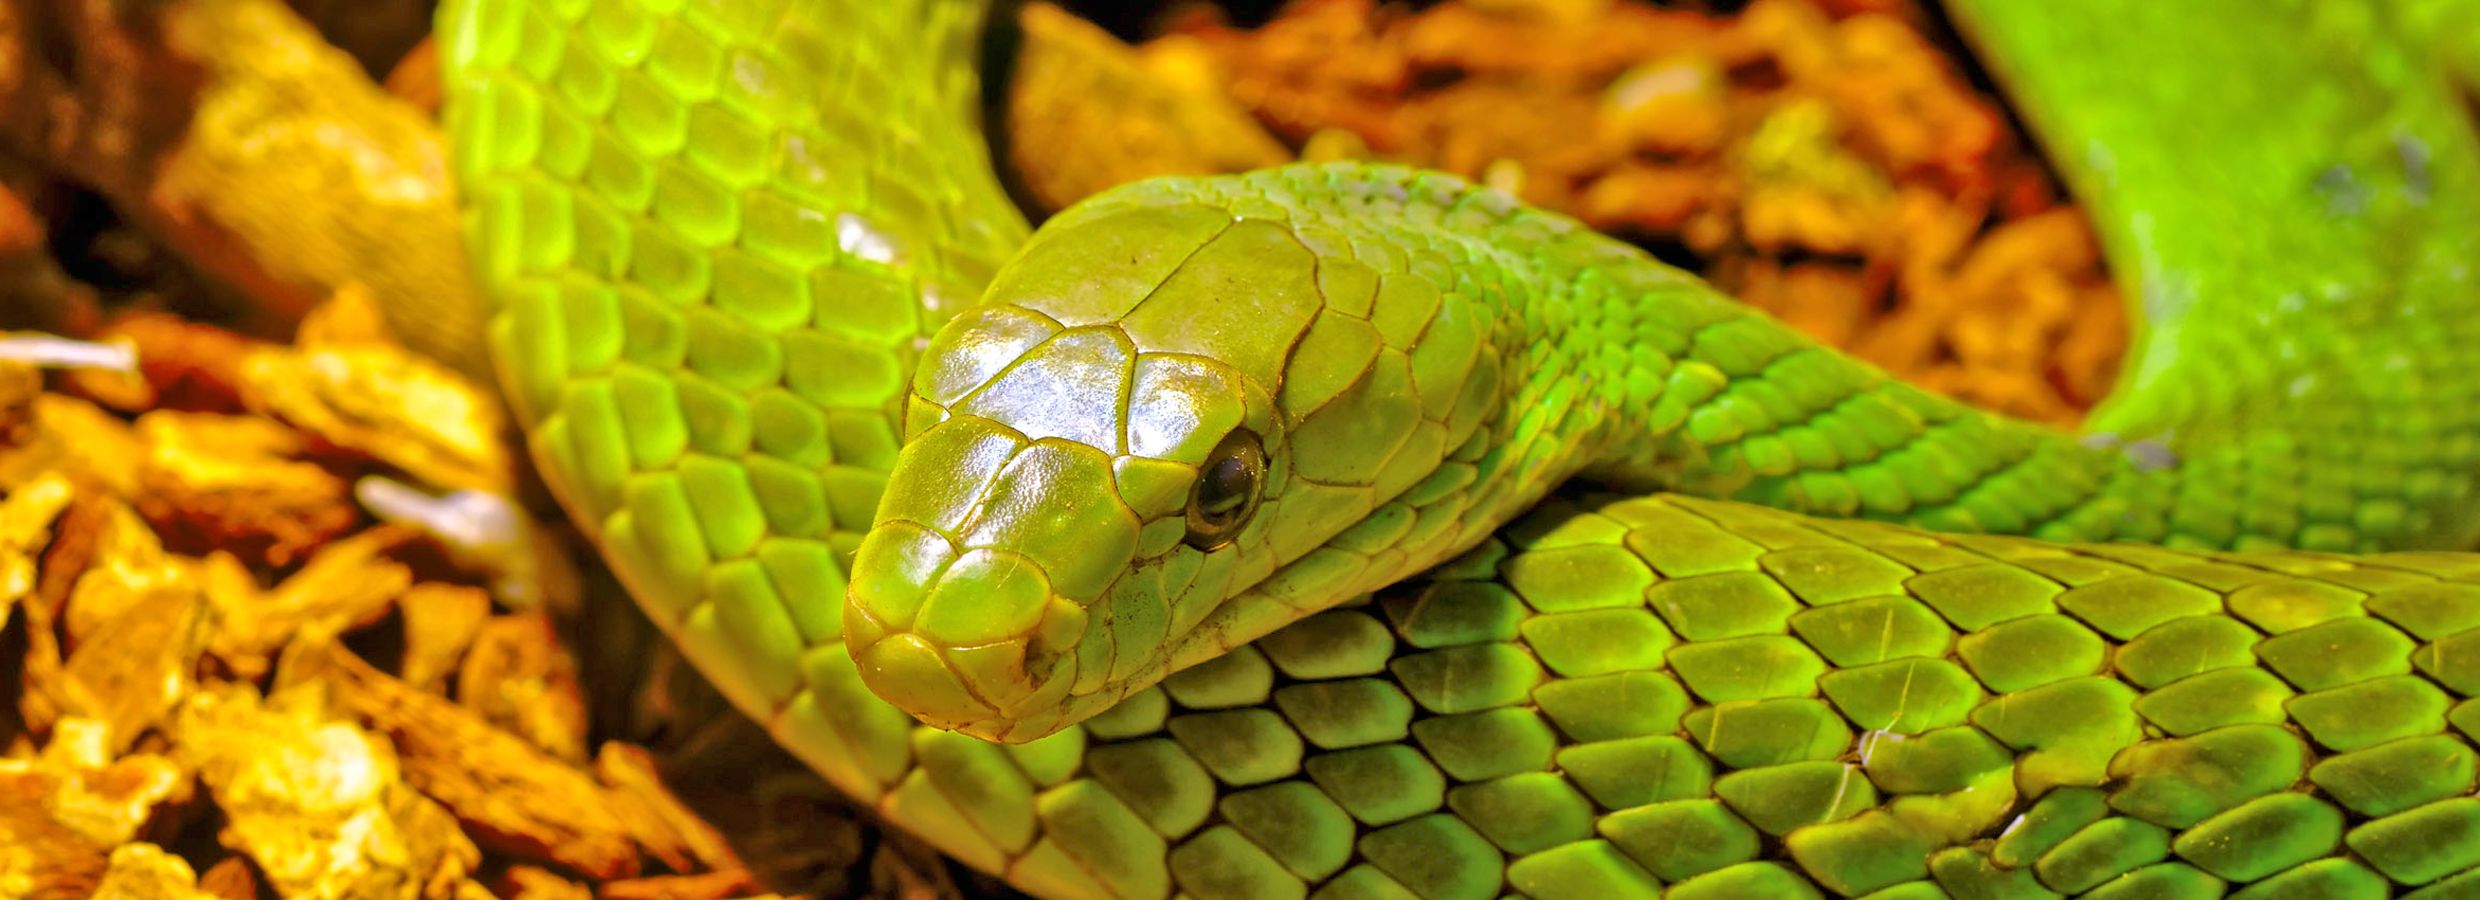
(1106, 504)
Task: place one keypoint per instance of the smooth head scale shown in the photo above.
(1099, 487)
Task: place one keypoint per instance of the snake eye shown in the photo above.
(1227, 490)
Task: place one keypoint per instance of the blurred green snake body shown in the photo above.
(1227, 537)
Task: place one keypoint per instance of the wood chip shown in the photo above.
(236, 483)
(346, 585)
(537, 883)
(441, 620)
(230, 879)
(518, 676)
(709, 886)
(513, 796)
(661, 823)
(136, 666)
(144, 871)
(103, 796)
(347, 383)
(316, 801)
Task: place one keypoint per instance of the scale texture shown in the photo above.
(720, 234)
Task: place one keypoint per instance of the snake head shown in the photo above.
(1099, 486)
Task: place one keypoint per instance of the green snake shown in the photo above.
(1231, 535)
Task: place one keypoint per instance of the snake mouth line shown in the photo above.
(1027, 687)
(956, 636)
(1028, 684)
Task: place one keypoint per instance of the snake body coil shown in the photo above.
(1153, 477)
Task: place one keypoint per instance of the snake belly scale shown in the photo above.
(1217, 528)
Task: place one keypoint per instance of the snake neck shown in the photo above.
(1424, 359)
(2309, 392)
(1608, 365)
(1438, 357)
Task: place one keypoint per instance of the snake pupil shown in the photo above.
(1226, 491)
(1223, 487)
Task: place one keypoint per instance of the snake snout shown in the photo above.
(970, 640)
(969, 597)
